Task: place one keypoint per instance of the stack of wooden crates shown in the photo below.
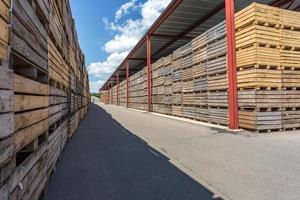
(35, 92)
(268, 56)
(192, 82)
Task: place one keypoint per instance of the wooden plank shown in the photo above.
(6, 79)
(6, 149)
(6, 124)
(27, 135)
(6, 101)
(20, 47)
(24, 85)
(27, 102)
(26, 119)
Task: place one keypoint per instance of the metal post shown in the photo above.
(118, 103)
(231, 62)
(149, 72)
(127, 84)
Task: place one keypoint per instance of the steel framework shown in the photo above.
(228, 5)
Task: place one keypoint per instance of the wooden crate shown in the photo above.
(260, 99)
(258, 56)
(218, 115)
(196, 113)
(31, 111)
(57, 140)
(258, 14)
(6, 102)
(177, 99)
(260, 121)
(200, 84)
(216, 66)
(291, 119)
(58, 105)
(217, 82)
(4, 30)
(289, 19)
(188, 86)
(29, 36)
(258, 35)
(56, 29)
(176, 110)
(259, 78)
(217, 99)
(188, 98)
(177, 87)
(290, 78)
(290, 58)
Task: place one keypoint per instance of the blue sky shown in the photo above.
(109, 29)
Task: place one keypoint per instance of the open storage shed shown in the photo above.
(178, 25)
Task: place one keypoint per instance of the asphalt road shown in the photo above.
(106, 161)
(120, 153)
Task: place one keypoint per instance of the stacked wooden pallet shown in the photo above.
(177, 83)
(138, 90)
(158, 82)
(268, 73)
(290, 63)
(123, 97)
(167, 108)
(259, 68)
(34, 93)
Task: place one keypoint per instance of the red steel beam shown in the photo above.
(127, 84)
(118, 88)
(149, 72)
(231, 62)
(191, 27)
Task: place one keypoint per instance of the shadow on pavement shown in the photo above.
(105, 161)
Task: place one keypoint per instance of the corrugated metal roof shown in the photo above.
(188, 18)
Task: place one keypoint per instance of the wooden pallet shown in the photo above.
(177, 87)
(289, 19)
(218, 115)
(260, 121)
(29, 36)
(259, 78)
(58, 70)
(258, 56)
(290, 78)
(200, 84)
(291, 119)
(217, 82)
(290, 58)
(216, 66)
(188, 86)
(196, 113)
(258, 14)
(177, 110)
(4, 30)
(217, 99)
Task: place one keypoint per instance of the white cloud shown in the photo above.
(124, 9)
(126, 35)
(95, 86)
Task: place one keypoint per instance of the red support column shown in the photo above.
(118, 89)
(149, 72)
(231, 59)
(127, 84)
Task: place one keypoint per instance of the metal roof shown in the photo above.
(182, 21)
